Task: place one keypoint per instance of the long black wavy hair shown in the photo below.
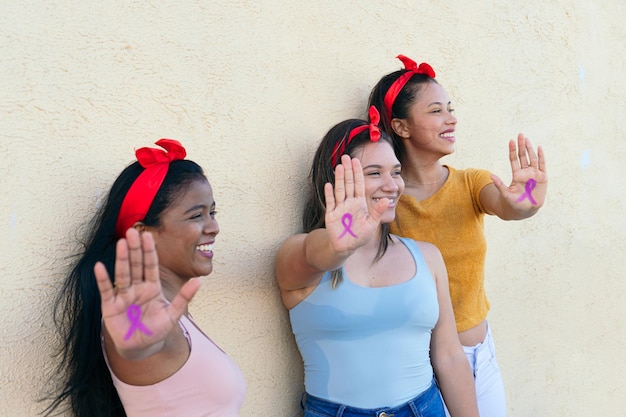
(81, 381)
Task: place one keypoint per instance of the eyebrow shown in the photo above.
(380, 166)
(438, 103)
(197, 207)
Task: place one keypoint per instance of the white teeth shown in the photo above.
(205, 248)
(447, 135)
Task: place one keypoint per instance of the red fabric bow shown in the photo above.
(141, 193)
(411, 68)
(411, 65)
(374, 132)
(148, 157)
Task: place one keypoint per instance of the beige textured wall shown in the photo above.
(250, 87)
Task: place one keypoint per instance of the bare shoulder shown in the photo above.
(434, 260)
(429, 250)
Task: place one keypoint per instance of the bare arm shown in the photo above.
(449, 363)
(303, 259)
(529, 184)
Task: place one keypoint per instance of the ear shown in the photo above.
(140, 227)
(399, 126)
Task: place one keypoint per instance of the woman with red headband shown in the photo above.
(130, 347)
(446, 206)
(370, 311)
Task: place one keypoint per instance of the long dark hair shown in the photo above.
(409, 94)
(86, 388)
(322, 172)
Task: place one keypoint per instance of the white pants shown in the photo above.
(487, 377)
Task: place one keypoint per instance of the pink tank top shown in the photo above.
(209, 384)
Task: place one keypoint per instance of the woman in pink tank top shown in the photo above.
(129, 345)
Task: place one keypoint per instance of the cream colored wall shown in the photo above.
(250, 87)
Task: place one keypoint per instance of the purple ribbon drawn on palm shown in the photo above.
(530, 186)
(134, 315)
(346, 221)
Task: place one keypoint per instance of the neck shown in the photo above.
(170, 285)
(426, 175)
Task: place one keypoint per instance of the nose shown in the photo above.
(451, 119)
(391, 183)
(211, 227)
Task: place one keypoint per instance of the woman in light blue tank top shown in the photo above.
(370, 311)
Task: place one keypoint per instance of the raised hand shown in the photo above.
(348, 222)
(135, 313)
(529, 182)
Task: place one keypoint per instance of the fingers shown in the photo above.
(150, 258)
(135, 252)
(329, 197)
(532, 156)
(522, 148)
(103, 281)
(359, 180)
(541, 160)
(340, 191)
(122, 266)
(515, 162)
(348, 175)
(349, 180)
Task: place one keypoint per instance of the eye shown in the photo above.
(213, 213)
(397, 173)
(451, 110)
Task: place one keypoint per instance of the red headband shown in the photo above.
(141, 193)
(398, 85)
(374, 135)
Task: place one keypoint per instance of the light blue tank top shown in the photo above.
(368, 347)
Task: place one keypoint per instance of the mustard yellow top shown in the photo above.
(453, 220)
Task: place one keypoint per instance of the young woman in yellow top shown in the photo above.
(446, 206)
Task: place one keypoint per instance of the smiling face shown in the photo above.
(381, 172)
(184, 240)
(430, 123)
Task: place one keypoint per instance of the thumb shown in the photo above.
(499, 184)
(379, 209)
(181, 301)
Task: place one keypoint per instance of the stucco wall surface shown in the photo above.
(250, 87)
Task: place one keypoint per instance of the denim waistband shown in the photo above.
(413, 407)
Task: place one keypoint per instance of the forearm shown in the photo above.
(320, 253)
(457, 386)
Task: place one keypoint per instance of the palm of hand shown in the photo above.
(136, 315)
(349, 225)
(529, 179)
(348, 220)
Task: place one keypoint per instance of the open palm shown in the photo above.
(348, 221)
(135, 313)
(529, 181)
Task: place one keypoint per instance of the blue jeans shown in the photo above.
(427, 404)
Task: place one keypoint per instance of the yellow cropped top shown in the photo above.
(453, 220)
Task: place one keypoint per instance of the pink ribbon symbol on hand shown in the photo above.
(134, 315)
(530, 186)
(346, 220)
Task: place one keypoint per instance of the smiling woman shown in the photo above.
(364, 302)
(446, 206)
(130, 347)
